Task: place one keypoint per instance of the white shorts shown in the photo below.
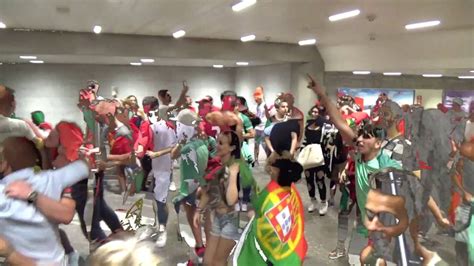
(162, 184)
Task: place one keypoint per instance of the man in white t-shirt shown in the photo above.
(27, 199)
(260, 112)
(168, 111)
(164, 139)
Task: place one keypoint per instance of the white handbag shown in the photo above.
(311, 156)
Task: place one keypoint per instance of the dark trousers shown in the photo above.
(245, 191)
(316, 177)
(102, 212)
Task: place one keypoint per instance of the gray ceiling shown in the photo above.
(345, 45)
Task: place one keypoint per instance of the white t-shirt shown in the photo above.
(24, 226)
(10, 127)
(263, 118)
(164, 136)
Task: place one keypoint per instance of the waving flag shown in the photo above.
(276, 233)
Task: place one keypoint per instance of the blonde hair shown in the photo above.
(130, 252)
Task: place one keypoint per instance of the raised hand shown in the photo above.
(185, 86)
(315, 86)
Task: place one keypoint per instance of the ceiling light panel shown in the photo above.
(28, 57)
(361, 72)
(307, 42)
(179, 34)
(243, 5)
(420, 25)
(248, 38)
(348, 14)
(97, 29)
(392, 73)
(432, 75)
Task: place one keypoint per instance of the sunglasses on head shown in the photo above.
(368, 132)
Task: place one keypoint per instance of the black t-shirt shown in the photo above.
(326, 134)
(280, 136)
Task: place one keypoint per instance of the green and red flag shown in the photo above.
(276, 233)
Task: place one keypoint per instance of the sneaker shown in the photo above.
(323, 208)
(73, 258)
(312, 206)
(237, 207)
(172, 186)
(244, 207)
(161, 241)
(337, 253)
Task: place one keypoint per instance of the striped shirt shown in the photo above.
(400, 150)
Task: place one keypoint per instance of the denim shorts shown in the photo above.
(226, 225)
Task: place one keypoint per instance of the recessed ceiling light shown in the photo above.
(28, 57)
(243, 5)
(242, 63)
(135, 63)
(1, 63)
(97, 29)
(392, 73)
(179, 34)
(344, 15)
(2, 25)
(364, 72)
(432, 75)
(248, 38)
(217, 66)
(147, 60)
(422, 24)
(307, 42)
(472, 71)
(466, 77)
(36, 61)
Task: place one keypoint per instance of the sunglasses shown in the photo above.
(386, 218)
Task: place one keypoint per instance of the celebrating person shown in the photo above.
(29, 201)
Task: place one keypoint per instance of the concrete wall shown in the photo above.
(54, 88)
(274, 79)
(430, 88)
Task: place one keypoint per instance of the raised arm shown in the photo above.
(232, 192)
(182, 98)
(346, 132)
(60, 212)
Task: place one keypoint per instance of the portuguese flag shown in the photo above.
(276, 233)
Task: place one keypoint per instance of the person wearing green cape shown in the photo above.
(275, 235)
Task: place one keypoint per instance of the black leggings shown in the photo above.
(316, 176)
(101, 211)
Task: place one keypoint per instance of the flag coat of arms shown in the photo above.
(276, 233)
